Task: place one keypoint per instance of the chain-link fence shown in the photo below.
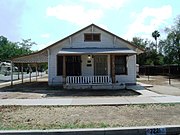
(160, 70)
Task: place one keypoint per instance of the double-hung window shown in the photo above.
(120, 65)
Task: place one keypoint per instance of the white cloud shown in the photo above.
(45, 35)
(84, 12)
(107, 4)
(158, 17)
(76, 14)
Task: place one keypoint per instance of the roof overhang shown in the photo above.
(74, 51)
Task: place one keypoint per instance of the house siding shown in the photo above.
(130, 78)
(77, 41)
(52, 67)
(107, 41)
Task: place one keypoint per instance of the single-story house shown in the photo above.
(89, 58)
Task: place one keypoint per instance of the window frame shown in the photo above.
(92, 35)
(122, 65)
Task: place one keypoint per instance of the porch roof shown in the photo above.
(96, 51)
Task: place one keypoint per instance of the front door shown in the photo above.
(100, 65)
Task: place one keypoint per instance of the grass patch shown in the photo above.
(19, 126)
(72, 117)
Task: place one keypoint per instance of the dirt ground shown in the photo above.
(161, 84)
(18, 117)
(41, 89)
(159, 80)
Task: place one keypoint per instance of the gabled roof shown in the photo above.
(98, 28)
(44, 51)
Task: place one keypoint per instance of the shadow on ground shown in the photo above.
(58, 91)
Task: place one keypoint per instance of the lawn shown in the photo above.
(62, 117)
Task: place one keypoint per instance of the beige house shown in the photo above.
(90, 58)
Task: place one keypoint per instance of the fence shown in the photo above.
(159, 70)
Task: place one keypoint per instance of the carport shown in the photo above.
(33, 59)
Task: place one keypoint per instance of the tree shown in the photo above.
(142, 44)
(139, 42)
(155, 35)
(7, 49)
(25, 46)
(10, 49)
(150, 56)
(171, 45)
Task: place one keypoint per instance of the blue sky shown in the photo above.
(47, 21)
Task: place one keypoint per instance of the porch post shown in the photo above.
(113, 68)
(64, 69)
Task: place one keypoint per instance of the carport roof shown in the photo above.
(38, 57)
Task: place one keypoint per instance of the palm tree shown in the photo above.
(155, 35)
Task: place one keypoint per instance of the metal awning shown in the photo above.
(96, 51)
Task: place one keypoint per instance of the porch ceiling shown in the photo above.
(96, 51)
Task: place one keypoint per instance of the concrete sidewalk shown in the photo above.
(91, 101)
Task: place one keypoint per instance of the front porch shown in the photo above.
(98, 69)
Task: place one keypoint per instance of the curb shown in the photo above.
(146, 130)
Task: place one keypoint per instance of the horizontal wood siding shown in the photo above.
(131, 67)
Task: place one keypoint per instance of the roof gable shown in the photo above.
(93, 26)
(45, 50)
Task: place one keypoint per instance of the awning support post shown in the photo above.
(30, 73)
(11, 73)
(36, 72)
(18, 72)
(22, 73)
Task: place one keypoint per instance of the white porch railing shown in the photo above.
(88, 79)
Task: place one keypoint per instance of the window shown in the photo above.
(73, 65)
(92, 37)
(59, 65)
(120, 65)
